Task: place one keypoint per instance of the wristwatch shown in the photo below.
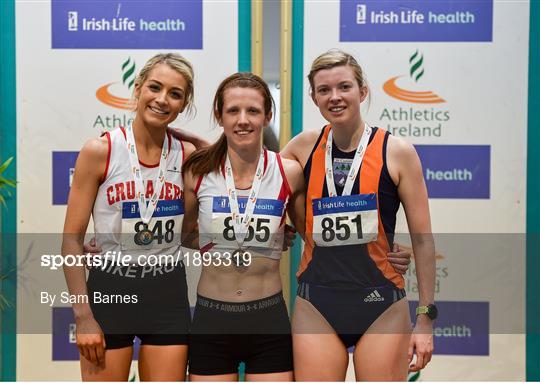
(430, 310)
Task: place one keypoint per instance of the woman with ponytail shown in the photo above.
(239, 193)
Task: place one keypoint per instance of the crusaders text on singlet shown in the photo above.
(116, 213)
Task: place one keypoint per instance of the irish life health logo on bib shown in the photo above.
(414, 109)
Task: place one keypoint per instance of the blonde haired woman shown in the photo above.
(130, 181)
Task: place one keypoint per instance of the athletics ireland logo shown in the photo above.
(416, 72)
(108, 93)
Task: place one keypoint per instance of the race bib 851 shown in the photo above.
(345, 220)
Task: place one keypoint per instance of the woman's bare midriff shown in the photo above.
(232, 283)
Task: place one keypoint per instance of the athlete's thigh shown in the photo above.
(163, 363)
(318, 352)
(213, 378)
(286, 376)
(381, 353)
(115, 368)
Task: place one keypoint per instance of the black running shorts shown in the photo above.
(148, 302)
(224, 334)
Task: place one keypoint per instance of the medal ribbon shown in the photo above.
(353, 171)
(146, 210)
(241, 222)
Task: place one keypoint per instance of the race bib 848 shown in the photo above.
(165, 226)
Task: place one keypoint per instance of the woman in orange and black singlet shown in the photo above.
(349, 294)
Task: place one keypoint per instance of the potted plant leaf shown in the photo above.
(5, 185)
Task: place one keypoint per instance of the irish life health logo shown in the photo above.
(126, 24)
(415, 20)
(420, 111)
(117, 94)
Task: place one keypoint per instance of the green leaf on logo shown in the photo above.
(128, 73)
(416, 62)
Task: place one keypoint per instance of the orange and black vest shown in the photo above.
(352, 266)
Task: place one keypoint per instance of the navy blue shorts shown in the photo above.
(350, 312)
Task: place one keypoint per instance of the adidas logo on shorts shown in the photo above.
(374, 297)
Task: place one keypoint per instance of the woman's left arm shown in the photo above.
(405, 168)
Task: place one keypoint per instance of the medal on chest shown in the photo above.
(137, 233)
(241, 222)
(346, 219)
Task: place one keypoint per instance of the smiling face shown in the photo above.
(161, 97)
(338, 95)
(243, 117)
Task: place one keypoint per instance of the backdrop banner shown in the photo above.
(76, 65)
(451, 78)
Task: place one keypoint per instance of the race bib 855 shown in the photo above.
(263, 230)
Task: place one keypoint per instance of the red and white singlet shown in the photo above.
(116, 215)
(265, 234)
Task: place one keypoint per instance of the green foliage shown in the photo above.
(4, 303)
(5, 183)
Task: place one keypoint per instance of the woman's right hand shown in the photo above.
(289, 237)
(91, 247)
(185, 135)
(90, 340)
(400, 258)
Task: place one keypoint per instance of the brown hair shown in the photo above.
(334, 58)
(180, 65)
(210, 159)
